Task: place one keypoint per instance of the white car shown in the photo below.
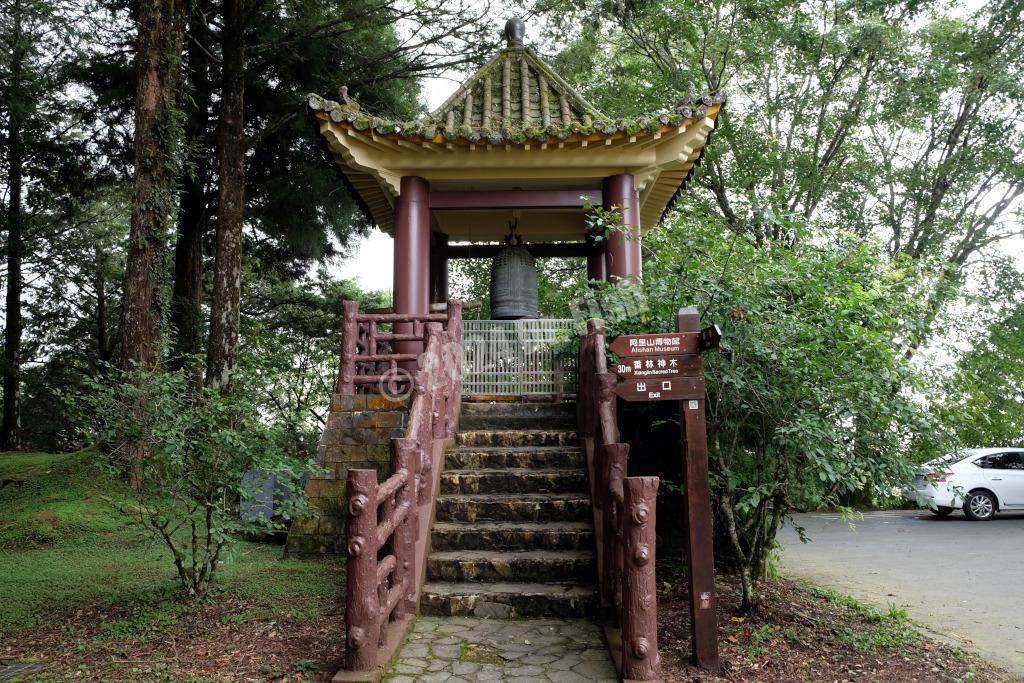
(983, 481)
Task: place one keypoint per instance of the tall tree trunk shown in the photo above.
(103, 354)
(11, 427)
(186, 315)
(222, 352)
(157, 139)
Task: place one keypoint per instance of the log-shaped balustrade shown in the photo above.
(624, 518)
(368, 359)
(388, 521)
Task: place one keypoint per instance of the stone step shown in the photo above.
(516, 438)
(519, 507)
(471, 457)
(512, 536)
(508, 600)
(514, 480)
(508, 422)
(475, 408)
(524, 565)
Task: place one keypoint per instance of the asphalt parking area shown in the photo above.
(960, 578)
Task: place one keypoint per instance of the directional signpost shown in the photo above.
(668, 367)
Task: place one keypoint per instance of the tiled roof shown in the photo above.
(515, 119)
(515, 97)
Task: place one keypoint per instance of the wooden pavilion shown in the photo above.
(487, 509)
(514, 142)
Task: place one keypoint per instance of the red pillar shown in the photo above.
(597, 266)
(623, 257)
(411, 293)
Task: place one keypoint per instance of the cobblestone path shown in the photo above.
(463, 649)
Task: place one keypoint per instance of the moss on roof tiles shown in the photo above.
(511, 129)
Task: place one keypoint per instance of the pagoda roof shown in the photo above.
(515, 103)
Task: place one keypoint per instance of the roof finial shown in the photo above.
(515, 30)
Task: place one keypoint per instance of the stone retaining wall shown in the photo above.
(358, 434)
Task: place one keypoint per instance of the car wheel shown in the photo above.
(942, 512)
(980, 506)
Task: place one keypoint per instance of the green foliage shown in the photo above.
(198, 444)
(984, 403)
(891, 120)
(811, 396)
(289, 349)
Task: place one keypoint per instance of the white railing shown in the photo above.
(517, 358)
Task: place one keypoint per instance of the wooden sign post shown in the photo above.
(699, 529)
(668, 367)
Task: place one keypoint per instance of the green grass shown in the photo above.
(888, 629)
(64, 543)
(55, 499)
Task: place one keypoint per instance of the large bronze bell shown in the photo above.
(513, 281)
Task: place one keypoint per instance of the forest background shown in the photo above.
(854, 226)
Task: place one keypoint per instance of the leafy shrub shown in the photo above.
(185, 450)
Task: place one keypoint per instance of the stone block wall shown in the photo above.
(358, 434)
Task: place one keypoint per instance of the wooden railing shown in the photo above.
(388, 522)
(624, 518)
(370, 356)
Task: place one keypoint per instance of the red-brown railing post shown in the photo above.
(349, 339)
(616, 457)
(584, 388)
(639, 587)
(422, 432)
(405, 456)
(699, 528)
(454, 325)
(362, 611)
(607, 427)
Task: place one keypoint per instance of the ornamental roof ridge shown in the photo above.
(516, 87)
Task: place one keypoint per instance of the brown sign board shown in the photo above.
(637, 367)
(661, 389)
(710, 338)
(664, 344)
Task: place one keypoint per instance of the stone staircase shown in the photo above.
(513, 535)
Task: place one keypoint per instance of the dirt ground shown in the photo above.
(801, 635)
(221, 640)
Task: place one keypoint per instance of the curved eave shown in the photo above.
(662, 160)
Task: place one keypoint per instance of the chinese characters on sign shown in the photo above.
(656, 344)
(668, 367)
(658, 389)
(659, 367)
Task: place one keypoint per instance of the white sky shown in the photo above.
(372, 261)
